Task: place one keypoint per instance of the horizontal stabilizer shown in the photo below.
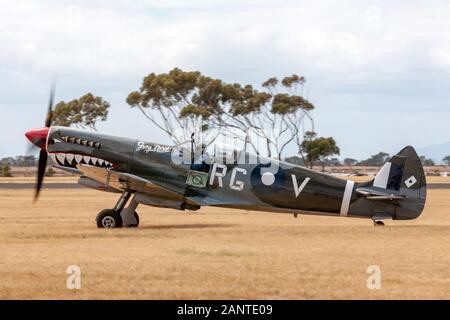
(377, 194)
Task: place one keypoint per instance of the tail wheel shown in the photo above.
(109, 218)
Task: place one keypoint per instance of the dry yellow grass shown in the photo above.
(433, 179)
(66, 179)
(216, 253)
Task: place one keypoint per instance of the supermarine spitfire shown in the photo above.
(159, 175)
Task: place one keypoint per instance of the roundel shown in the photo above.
(265, 180)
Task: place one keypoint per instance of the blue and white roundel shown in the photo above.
(268, 178)
(264, 179)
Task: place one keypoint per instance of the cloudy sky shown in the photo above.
(377, 71)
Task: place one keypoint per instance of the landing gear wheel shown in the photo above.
(109, 218)
(378, 223)
(136, 216)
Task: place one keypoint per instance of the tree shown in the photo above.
(446, 160)
(239, 116)
(25, 161)
(6, 171)
(50, 172)
(7, 161)
(319, 150)
(276, 117)
(426, 162)
(181, 103)
(376, 160)
(83, 112)
(295, 160)
(333, 162)
(350, 162)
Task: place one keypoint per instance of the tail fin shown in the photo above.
(403, 177)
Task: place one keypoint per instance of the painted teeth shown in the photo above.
(60, 157)
(71, 160)
(70, 157)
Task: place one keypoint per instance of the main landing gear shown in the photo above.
(120, 216)
(378, 223)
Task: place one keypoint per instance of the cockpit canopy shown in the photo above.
(219, 152)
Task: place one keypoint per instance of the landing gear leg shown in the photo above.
(129, 215)
(111, 218)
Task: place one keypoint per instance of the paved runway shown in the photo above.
(77, 186)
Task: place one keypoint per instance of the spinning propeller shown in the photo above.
(38, 137)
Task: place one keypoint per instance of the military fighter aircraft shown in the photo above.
(157, 175)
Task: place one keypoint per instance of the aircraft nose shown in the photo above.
(38, 137)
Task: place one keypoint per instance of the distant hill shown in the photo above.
(435, 152)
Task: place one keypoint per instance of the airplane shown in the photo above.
(155, 174)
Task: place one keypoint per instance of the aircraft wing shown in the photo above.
(114, 181)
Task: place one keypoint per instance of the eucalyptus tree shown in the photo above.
(83, 112)
(182, 104)
(186, 103)
(276, 116)
(319, 150)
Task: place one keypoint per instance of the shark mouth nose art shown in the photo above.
(72, 160)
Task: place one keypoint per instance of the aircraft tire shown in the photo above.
(378, 223)
(109, 218)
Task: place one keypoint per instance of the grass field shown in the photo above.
(216, 253)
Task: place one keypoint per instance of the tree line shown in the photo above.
(376, 160)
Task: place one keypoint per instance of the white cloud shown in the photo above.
(326, 36)
(440, 57)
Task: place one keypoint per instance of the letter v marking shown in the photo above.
(298, 189)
